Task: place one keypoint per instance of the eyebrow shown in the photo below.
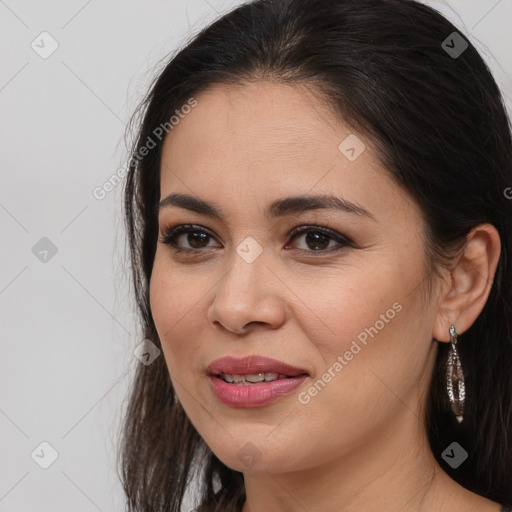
(279, 208)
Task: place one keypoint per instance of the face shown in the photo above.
(343, 301)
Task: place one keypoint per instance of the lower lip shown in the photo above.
(253, 395)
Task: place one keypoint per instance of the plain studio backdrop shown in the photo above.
(71, 74)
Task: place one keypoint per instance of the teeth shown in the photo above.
(252, 378)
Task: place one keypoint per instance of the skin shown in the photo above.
(360, 443)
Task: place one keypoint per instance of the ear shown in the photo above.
(469, 283)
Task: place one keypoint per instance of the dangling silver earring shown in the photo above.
(455, 379)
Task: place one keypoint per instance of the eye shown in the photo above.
(317, 238)
(195, 236)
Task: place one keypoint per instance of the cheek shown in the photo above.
(175, 309)
(365, 304)
(372, 340)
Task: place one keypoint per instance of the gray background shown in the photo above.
(68, 331)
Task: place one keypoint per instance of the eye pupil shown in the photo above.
(315, 237)
(196, 236)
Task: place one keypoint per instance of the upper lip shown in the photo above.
(251, 365)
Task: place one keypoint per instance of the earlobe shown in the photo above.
(471, 279)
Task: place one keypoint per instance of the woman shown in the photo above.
(321, 244)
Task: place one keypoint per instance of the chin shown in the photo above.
(256, 466)
(250, 459)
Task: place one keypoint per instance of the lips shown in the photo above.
(237, 382)
(252, 365)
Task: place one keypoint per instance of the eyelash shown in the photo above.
(170, 235)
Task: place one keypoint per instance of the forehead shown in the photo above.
(257, 119)
(267, 138)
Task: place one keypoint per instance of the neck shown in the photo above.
(394, 469)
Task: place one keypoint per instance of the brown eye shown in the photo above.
(196, 237)
(318, 238)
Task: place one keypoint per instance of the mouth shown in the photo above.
(252, 378)
(253, 381)
(252, 369)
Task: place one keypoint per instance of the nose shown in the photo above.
(249, 296)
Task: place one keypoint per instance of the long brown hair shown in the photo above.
(442, 131)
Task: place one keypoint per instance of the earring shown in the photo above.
(176, 401)
(455, 379)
